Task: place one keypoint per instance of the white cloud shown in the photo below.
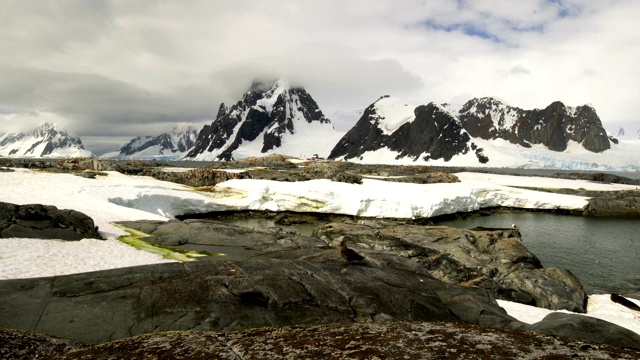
(115, 67)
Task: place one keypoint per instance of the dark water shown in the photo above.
(603, 253)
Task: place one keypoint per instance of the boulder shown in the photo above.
(493, 259)
(45, 222)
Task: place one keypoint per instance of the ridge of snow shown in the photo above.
(391, 113)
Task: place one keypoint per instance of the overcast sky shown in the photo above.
(112, 70)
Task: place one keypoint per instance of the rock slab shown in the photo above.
(45, 222)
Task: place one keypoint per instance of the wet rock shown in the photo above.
(492, 259)
(45, 222)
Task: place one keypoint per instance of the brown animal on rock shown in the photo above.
(349, 254)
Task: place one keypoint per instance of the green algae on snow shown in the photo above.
(135, 239)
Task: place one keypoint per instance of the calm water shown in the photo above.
(603, 253)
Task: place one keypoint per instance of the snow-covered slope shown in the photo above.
(46, 141)
(167, 146)
(274, 118)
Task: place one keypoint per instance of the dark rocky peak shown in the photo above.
(434, 134)
(425, 132)
(268, 111)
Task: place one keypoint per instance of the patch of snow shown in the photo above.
(393, 113)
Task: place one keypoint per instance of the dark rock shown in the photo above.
(493, 259)
(554, 126)
(586, 328)
(45, 222)
(625, 204)
(305, 286)
(624, 302)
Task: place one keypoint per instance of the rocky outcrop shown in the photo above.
(285, 279)
(397, 340)
(304, 286)
(45, 222)
(492, 259)
(624, 204)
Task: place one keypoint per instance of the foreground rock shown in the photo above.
(391, 340)
(493, 259)
(45, 222)
(16, 344)
(305, 286)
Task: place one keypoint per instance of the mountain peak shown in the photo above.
(47, 140)
(267, 115)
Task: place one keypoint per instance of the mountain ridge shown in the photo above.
(266, 117)
(171, 145)
(46, 141)
(441, 131)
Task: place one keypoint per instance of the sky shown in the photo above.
(111, 70)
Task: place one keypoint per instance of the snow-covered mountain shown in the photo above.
(167, 146)
(46, 141)
(485, 132)
(270, 118)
